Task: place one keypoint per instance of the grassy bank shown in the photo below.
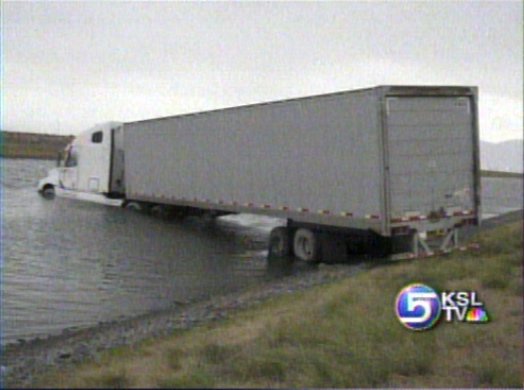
(344, 334)
(31, 145)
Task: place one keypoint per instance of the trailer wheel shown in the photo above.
(279, 242)
(160, 211)
(306, 245)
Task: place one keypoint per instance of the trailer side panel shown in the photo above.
(317, 156)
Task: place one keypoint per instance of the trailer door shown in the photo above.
(431, 155)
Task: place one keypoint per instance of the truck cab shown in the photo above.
(84, 167)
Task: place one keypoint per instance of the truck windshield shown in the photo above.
(71, 158)
(60, 159)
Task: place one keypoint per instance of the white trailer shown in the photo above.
(383, 166)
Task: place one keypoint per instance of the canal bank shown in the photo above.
(25, 362)
(296, 318)
(32, 145)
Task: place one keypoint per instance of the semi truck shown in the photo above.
(390, 169)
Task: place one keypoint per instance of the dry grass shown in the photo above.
(343, 335)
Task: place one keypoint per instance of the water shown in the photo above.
(72, 264)
(500, 195)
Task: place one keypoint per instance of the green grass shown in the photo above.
(501, 174)
(344, 334)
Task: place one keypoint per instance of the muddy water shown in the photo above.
(72, 264)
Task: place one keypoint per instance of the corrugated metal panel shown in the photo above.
(431, 154)
(317, 159)
(320, 154)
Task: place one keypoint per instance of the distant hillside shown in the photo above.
(504, 156)
(32, 145)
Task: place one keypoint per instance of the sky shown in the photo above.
(69, 65)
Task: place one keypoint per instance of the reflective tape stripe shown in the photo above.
(463, 212)
(401, 219)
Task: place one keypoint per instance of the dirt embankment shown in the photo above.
(22, 363)
(32, 145)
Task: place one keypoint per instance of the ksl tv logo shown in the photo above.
(419, 307)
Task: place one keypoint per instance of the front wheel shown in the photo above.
(48, 191)
(306, 246)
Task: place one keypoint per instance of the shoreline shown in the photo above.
(23, 362)
(339, 334)
(32, 145)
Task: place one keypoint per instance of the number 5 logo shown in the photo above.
(418, 307)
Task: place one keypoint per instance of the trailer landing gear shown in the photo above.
(421, 246)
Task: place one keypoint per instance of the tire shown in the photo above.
(279, 242)
(135, 206)
(380, 246)
(306, 246)
(160, 211)
(48, 191)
